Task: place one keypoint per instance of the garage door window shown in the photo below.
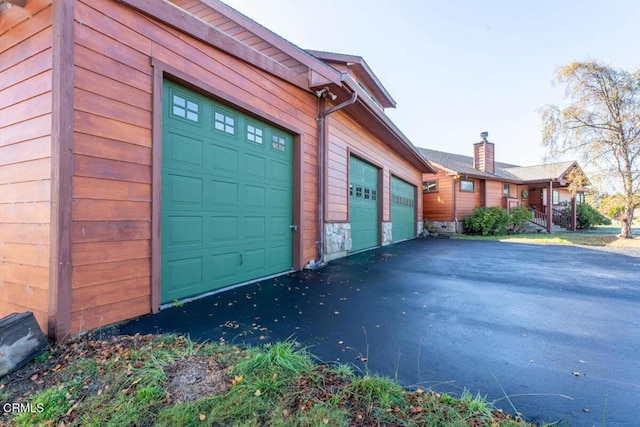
(254, 134)
(224, 122)
(183, 108)
(278, 143)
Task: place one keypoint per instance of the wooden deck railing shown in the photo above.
(538, 218)
(562, 219)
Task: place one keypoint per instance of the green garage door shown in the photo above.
(363, 204)
(227, 196)
(403, 222)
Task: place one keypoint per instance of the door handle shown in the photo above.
(241, 260)
(294, 227)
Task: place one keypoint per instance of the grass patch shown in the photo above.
(601, 236)
(172, 381)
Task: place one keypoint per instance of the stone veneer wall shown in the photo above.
(387, 233)
(444, 226)
(337, 240)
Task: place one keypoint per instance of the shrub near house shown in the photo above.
(587, 217)
(496, 221)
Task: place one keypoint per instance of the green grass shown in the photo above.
(125, 382)
(601, 236)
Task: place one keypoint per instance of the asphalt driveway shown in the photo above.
(556, 328)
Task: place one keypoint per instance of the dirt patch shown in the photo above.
(194, 377)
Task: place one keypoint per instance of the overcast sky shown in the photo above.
(460, 67)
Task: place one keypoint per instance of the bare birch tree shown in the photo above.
(601, 124)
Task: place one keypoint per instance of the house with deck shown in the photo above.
(155, 151)
(465, 182)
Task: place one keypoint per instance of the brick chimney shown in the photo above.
(483, 155)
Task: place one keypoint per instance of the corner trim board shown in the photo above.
(62, 133)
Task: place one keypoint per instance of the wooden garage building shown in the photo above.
(153, 151)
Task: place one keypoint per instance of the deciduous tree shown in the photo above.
(600, 122)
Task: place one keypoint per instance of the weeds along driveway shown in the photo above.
(554, 328)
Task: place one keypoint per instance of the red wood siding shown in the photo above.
(467, 200)
(438, 206)
(111, 250)
(493, 193)
(25, 158)
(344, 135)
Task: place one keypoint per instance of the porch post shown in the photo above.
(574, 213)
(550, 207)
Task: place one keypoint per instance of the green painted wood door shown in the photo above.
(227, 196)
(403, 220)
(363, 204)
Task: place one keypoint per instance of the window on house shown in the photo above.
(555, 197)
(506, 189)
(580, 198)
(467, 185)
(430, 186)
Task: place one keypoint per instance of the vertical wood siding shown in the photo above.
(25, 159)
(113, 143)
(345, 134)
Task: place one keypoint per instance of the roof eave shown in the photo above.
(402, 144)
(286, 46)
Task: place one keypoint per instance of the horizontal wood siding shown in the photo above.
(111, 250)
(25, 158)
(345, 134)
(493, 193)
(467, 200)
(438, 206)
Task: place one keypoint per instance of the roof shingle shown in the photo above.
(463, 165)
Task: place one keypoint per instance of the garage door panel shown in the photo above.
(225, 160)
(183, 150)
(280, 173)
(278, 227)
(184, 190)
(256, 166)
(224, 194)
(233, 172)
(254, 228)
(277, 200)
(255, 197)
(183, 274)
(224, 229)
(184, 231)
(223, 267)
(254, 260)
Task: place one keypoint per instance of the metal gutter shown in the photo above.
(322, 143)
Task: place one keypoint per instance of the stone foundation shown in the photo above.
(337, 240)
(445, 226)
(387, 233)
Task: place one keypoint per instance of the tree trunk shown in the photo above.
(627, 220)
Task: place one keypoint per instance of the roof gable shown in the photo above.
(358, 69)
